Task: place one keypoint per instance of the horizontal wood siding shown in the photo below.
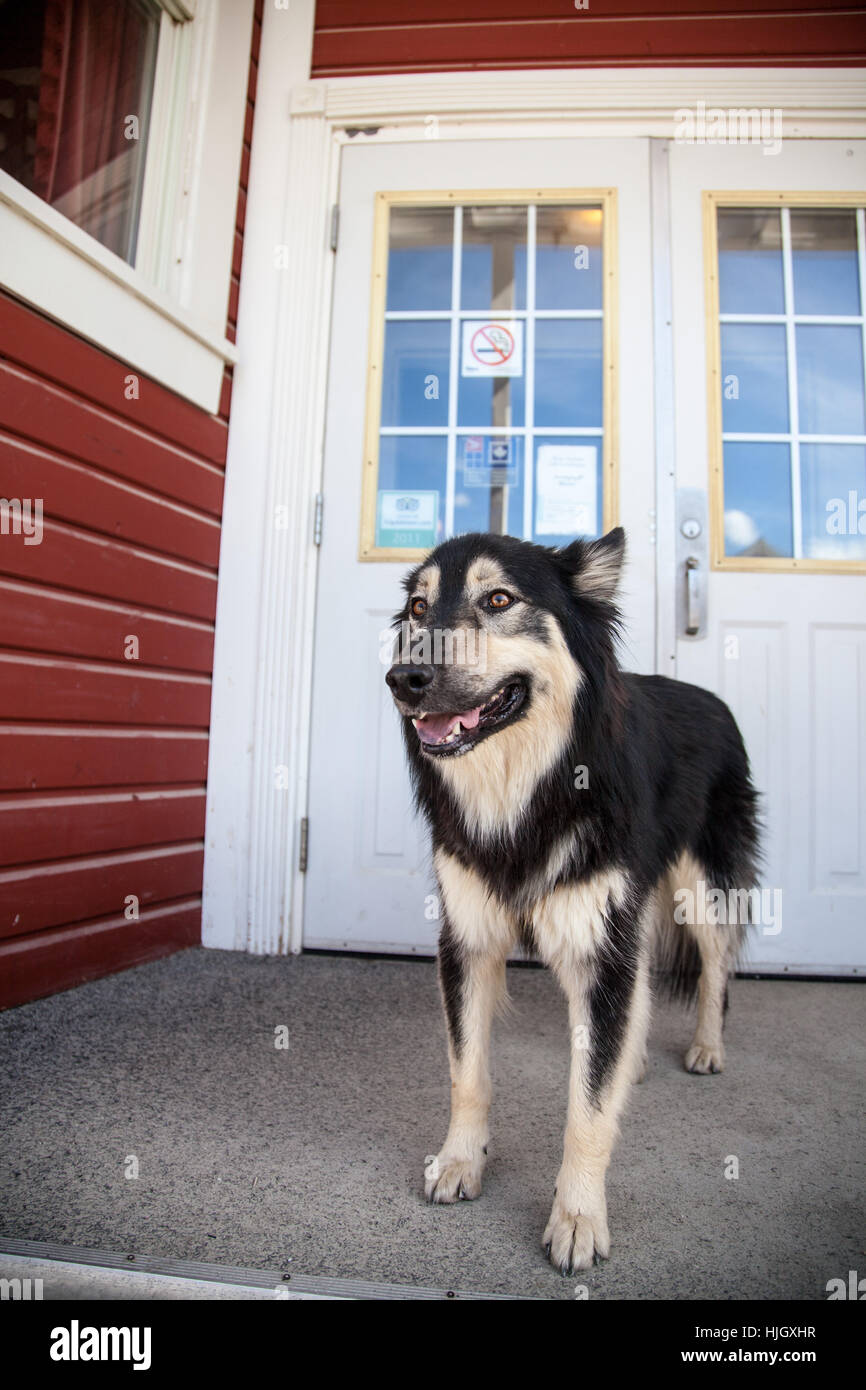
(103, 746)
(103, 743)
(393, 36)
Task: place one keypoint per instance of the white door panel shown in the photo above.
(369, 883)
(795, 676)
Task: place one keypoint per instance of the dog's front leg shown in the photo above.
(608, 1005)
(472, 982)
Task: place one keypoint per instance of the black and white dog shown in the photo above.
(568, 802)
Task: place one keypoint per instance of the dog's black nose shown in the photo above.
(408, 682)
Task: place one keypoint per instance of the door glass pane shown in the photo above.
(490, 414)
(758, 499)
(568, 259)
(830, 379)
(489, 485)
(493, 264)
(419, 258)
(415, 381)
(568, 488)
(751, 279)
(788, 483)
(754, 378)
(824, 259)
(568, 372)
(834, 501)
(485, 400)
(76, 82)
(412, 475)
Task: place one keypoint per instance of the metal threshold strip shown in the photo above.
(277, 1280)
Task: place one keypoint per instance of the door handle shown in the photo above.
(693, 596)
(691, 574)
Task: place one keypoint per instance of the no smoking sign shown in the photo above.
(492, 349)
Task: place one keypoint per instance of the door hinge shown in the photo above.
(305, 839)
(317, 519)
(335, 226)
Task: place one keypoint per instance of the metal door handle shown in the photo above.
(693, 596)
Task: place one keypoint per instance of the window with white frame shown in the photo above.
(792, 349)
(121, 136)
(488, 404)
(76, 86)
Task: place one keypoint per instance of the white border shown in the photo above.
(253, 891)
(166, 317)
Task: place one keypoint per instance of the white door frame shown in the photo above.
(260, 717)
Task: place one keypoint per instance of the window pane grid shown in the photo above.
(460, 423)
(794, 437)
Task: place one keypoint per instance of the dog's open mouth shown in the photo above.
(448, 733)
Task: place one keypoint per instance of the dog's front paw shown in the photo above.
(448, 1178)
(704, 1059)
(574, 1239)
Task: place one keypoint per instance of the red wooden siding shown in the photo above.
(391, 36)
(103, 759)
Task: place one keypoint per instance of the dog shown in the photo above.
(572, 807)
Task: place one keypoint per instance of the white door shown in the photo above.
(510, 292)
(785, 456)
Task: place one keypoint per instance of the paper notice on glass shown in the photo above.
(566, 490)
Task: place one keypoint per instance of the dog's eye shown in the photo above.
(418, 607)
(499, 600)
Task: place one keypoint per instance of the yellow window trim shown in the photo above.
(604, 197)
(712, 201)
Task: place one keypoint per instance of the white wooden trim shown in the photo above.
(814, 101)
(260, 714)
(253, 892)
(165, 316)
(664, 410)
(55, 266)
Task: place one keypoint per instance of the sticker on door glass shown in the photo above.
(492, 349)
(488, 461)
(566, 490)
(407, 520)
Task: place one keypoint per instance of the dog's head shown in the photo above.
(496, 633)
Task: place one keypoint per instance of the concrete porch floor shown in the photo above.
(251, 1155)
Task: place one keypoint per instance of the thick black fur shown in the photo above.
(668, 772)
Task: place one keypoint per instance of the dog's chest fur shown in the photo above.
(558, 907)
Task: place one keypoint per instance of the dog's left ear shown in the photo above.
(596, 566)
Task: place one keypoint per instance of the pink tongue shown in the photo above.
(434, 727)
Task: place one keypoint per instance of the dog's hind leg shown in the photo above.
(707, 1051)
(608, 1004)
(717, 944)
(473, 946)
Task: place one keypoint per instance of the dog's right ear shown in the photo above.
(595, 567)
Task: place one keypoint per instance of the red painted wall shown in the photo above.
(103, 760)
(391, 36)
